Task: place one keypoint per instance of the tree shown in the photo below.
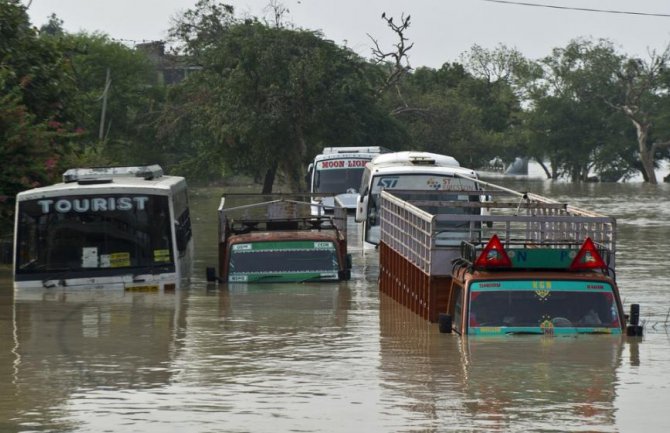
(569, 122)
(34, 133)
(268, 97)
(399, 65)
(642, 97)
(450, 111)
(132, 99)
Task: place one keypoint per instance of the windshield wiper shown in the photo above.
(264, 277)
(594, 331)
(525, 332)
(318, 278)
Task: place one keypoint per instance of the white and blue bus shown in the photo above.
(410, 171)
(123, 227)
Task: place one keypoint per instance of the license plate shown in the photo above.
(142, 289)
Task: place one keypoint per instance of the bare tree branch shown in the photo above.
(398, 57)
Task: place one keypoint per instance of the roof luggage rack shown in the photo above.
(91, 175)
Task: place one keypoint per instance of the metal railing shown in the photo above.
(427, 229)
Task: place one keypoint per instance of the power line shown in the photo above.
(607, 11)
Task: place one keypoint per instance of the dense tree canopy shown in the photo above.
(261, 99)
(266, 92)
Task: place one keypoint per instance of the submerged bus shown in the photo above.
(410, 171)
(336, 172)
(109, 227)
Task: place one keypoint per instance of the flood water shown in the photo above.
(333, 357)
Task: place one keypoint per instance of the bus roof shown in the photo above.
(117, 184)
(414, 159)
(426, 169)
(354, 149)
(91, 174)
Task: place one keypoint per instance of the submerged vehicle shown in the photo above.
(336, 174)
(530, 265)
(408, 171)
(554, 288)
(280, 240)
(126, 227)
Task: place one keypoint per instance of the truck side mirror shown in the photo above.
(211, 276)
(444, 323)
(634, 329)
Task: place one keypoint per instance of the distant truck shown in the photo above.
(276, 238)
(530, 265)
(336, 172)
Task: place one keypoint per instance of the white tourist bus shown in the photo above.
(410, 171)
(337, 171)
(110, 227)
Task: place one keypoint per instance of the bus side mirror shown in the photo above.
(361, 208)
(444, 323)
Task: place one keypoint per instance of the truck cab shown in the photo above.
(281, 240)
(534, 289)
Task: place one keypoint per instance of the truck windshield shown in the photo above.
(337, 176)
(283, 261)
(421, 183)
(503, 307)
(104, 233)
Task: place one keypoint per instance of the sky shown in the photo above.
(441, 30)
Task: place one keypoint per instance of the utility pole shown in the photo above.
(108, 83)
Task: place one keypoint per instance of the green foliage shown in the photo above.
(131, 100)
(26, 151)
(268, 98)
(265, 99)
(33, 90)
(571, 123)
(450, 111)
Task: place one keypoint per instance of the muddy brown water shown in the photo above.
(333, 357)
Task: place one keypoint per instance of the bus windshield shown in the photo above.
(283, 261)
(337, 176)
(419, 183)
(104, 233)
(504, 307)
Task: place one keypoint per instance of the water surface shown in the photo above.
(333, 357)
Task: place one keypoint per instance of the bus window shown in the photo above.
(83, 232)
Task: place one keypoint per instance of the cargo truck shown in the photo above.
(529, 265)
(278, 238)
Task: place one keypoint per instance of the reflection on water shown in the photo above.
(69, 343)
(331, 357)
(520, 383)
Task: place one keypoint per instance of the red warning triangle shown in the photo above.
(587, 258)
(493, 255)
